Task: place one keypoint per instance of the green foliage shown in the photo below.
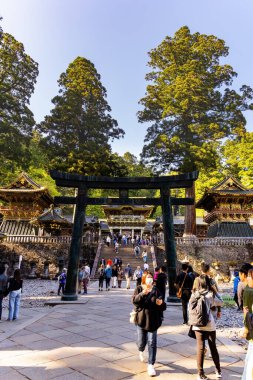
(79, 129)
(238, 157)
(18, 73)
(190, 102)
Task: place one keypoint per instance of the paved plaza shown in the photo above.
(94, 340)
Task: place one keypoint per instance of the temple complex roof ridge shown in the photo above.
(23, 182)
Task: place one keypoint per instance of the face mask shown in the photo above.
(149, 281)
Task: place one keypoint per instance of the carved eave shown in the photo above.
(24, 189)
(128, 210)
(228, 191)
(227, 215)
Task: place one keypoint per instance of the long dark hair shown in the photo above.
(17, 275)
(203, 282)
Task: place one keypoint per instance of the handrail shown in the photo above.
(217, 241)
(45, 239)
(95, 264)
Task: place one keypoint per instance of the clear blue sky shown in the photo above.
(116, 36)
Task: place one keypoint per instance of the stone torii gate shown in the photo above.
(123, 184)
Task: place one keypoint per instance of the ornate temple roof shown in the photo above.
(230, 188)
(24, 189)
(51, 216)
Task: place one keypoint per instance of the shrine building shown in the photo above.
(228, 209)
(128, 220)
(22, 201)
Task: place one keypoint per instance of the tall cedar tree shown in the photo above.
(18, 73)
(191, 105)
(79, 129)
(190, 102)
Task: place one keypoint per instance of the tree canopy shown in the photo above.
(78, 132)
(18, 73)
(190, 102)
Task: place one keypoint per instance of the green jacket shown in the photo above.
(248, 302)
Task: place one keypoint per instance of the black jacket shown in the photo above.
(149, 314)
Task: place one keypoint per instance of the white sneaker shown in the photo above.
(151, 370)
(218, 374)
(141, 356)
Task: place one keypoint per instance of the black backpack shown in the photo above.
(198, 311)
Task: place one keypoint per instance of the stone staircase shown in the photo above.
(127, 256)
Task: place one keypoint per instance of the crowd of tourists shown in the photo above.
(201, 307)
(127, 239)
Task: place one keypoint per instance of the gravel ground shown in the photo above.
(36, 292)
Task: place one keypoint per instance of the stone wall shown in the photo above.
(40, 253)
(226, 256)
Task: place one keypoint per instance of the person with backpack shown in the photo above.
(184, 283)
(149, 307)
(101, 277)
(128, 274)
(14, 290)
(108, 276)
(86, 278)
(203, 324)
(80, 280)
(138, 275)
(62, 281)
(137, 251)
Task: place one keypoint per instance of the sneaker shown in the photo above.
(141, 356)
(218, 374)
(151, 370)
(202, 377)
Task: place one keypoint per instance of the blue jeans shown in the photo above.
(1, 307)
(14, 303)
(144, 337)
(248, 367)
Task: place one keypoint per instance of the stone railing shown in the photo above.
(45, 239)
(237, 241)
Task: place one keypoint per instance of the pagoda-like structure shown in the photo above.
(52, 222)
(22, 201)
(128, 219)
(229, 207)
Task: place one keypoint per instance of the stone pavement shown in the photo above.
(95, 340)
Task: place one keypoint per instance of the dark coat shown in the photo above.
(149, 314)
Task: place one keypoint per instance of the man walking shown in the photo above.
(128, 275)
(184, 282)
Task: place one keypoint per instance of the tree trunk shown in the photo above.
(190, 214)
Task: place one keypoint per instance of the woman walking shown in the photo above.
(101, 276)
(248, 323)
(149, 307)
(204, 331)
(14, 290)
(120, 275)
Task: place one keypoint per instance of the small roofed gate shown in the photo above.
(123, 184)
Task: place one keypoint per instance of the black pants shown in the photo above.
(138, 281)
(210, 336)
(101, 282)
(61, 287)
(184, 308)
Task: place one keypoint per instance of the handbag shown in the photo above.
(191, 333)
(133, 315)
(179, 292)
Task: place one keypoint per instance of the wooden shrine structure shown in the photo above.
(229, 207)
(123, 184)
